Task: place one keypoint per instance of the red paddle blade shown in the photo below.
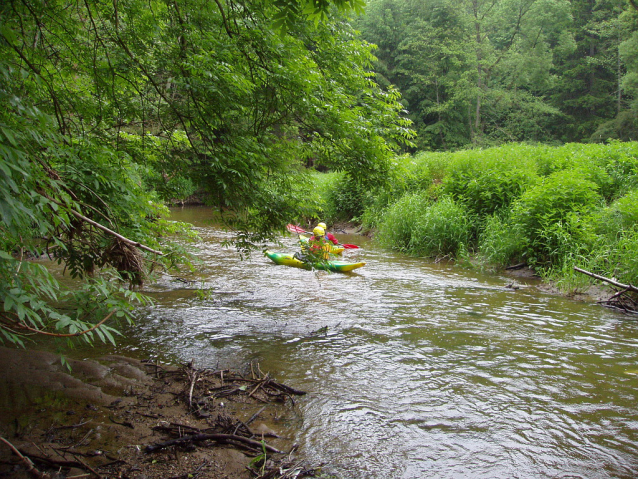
(295, 229)
(350, 246)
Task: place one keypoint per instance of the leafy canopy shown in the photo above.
(110, 109)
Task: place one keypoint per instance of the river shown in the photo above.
(422, 370)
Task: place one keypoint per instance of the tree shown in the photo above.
(105, 101)
(477, 72)
(623, 30)
(588, 88)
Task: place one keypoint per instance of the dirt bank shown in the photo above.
(118, 417)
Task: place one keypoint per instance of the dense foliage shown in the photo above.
(549, 207)
(110, 109)
(481, 73)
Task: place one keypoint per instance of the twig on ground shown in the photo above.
(31, 469)
(210, 437)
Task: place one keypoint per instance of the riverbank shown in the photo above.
(121, 417)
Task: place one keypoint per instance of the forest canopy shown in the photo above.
(110, 109)
(485, 72)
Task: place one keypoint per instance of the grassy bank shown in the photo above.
(552, 208)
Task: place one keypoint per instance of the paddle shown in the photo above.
(301, 231)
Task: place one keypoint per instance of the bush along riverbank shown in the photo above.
(549, 208)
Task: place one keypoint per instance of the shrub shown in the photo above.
(621, 215)
(500, 243)
(417, 225)
(341, 198)
(554, 216)
(324, 186)
(613, 167)
(487, 181)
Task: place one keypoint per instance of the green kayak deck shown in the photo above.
(290, 260)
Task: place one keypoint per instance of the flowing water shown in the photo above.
(424, 370)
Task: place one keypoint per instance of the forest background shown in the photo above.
(500, 130)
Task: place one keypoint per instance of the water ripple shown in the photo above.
(423, 369)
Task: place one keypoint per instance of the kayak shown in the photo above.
(334, 248)
(290, 260)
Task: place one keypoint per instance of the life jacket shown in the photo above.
(319, 247)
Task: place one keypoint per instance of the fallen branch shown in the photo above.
(31, 469)
(212, 437)
(621, 300)
(628, 287)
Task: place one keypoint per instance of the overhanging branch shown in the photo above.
(107, 230)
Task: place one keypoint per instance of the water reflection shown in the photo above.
(425, 370)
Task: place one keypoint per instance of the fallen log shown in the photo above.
(621, 300)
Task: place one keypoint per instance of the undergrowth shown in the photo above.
(552, 208)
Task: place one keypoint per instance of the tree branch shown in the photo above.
(60, 335)
(105, 229)
(607, 280)
(26, 461)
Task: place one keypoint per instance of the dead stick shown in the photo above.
(87, 467)
(213, 437)
(259, 384)
(607, 280)
(254, 416)
(31, 469)
(190, 394)
(619, 293)
(287, 389)
(72, 426)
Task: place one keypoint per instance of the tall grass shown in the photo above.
(500, 243)
(417, 225)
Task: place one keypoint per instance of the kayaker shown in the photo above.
(329, 236)
(318, 246)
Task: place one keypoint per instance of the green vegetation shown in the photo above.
(550, 207)
(479, 73)
(110, 110)
(419, 226)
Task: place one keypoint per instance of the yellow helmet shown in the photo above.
(318, 231)
(322, 225)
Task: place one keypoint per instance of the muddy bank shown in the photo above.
(118, 417)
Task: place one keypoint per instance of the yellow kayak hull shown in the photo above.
(290, 260)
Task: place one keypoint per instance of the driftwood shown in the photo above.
(627, 287)
(621, 299)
